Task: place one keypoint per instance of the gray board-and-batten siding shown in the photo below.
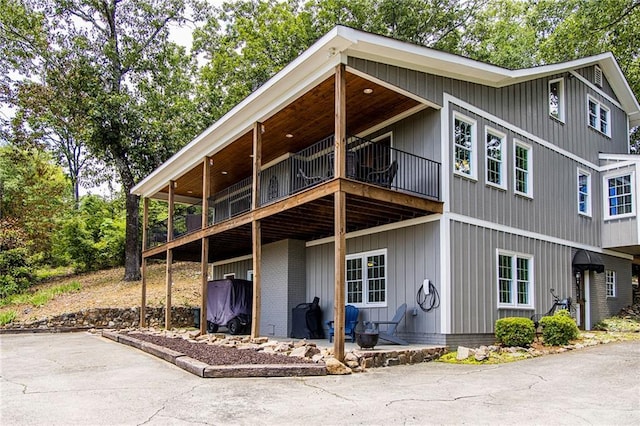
(524, 105)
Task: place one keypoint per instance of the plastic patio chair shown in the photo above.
(390, 333)
(350, 322)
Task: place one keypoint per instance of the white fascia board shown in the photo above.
(619, 157)
(309, 69)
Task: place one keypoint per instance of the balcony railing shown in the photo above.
(366, 161)
(231, 201)
(187, 219)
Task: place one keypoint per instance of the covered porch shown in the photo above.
(296, 176)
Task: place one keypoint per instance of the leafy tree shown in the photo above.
(34, 194)
(135, 86)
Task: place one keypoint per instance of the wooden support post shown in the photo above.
(167, 313)
(340, 215)
(340, 122)
(143, 296)
(171, 207)
(257, 165)
(339, 260)
(204, 258)
(143, 301)
(256, 230)
(204, 271)
(257, 261)
(145, 223)
(206, 190)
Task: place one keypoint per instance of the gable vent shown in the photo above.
(597, 76)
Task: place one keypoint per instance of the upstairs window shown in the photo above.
(556, 99)
(495, 142)
(584, 193)
(522, 169)
(515, 280)
(599, 116)
(619, 200)
(464, 143)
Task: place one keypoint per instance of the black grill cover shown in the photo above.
(307, 321)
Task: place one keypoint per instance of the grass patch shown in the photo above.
(7, 317)
(46, 274)
(494, 358)
(40, 297)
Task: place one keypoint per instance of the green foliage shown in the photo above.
(515, 331)
(7, 317)
(15, 271)
(559, 329)
(618, 324)
(41, 297)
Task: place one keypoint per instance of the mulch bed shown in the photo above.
(219, 355)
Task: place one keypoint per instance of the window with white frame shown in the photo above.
(515, 280)
(522, 168)
(464, 145)
(619, 192)
(599, 116)
(584, 192)
(556, 99)
(494, 145)
(229, 276)
(610, 277)
(366, 280)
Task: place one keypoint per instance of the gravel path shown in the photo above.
(219, 355)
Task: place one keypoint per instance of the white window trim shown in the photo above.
(600, 107)
(229, 276)
(365, 281)
(610, 274)
(503, 158)
(605, 194)
(580, 171)
(529, 148)
(561, 101)
(250, 275)
(474, 147)
(514, 280)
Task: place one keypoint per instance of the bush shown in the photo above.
(15, 271)
(515, 331)
(559, 329)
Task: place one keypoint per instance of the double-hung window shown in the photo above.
(584, 192)
(366, 281)
(610, 277)
(619, 193)
(599, 116)
(464, 146)
(556, 99)
(494, 150)
(515, 280)
(522, 169)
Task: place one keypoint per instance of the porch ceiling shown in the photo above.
(308, 119)
(317, 222)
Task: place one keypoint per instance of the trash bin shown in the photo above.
(196, 317)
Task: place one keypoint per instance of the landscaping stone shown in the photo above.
(335, 367)
(463, 353)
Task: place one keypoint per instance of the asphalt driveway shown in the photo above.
(83, 379)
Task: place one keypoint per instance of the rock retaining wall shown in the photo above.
(113, 318)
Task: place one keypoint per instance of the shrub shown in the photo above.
(15, 272)
(559, 329)
(515, 331)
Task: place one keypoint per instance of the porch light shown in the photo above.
(289, 135)
(189, 192)
(368, 91)
(224, 173)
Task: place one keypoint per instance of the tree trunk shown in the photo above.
(132, 247)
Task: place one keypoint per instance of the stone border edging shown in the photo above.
(204, 370)
(44, 330)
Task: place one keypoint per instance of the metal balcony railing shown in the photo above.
(231, 201)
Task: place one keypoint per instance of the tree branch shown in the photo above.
(619, 18)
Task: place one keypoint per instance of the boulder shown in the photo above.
(336, 367)
(463, 353)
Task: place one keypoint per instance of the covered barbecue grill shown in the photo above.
(306, 321)
(229, 303)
